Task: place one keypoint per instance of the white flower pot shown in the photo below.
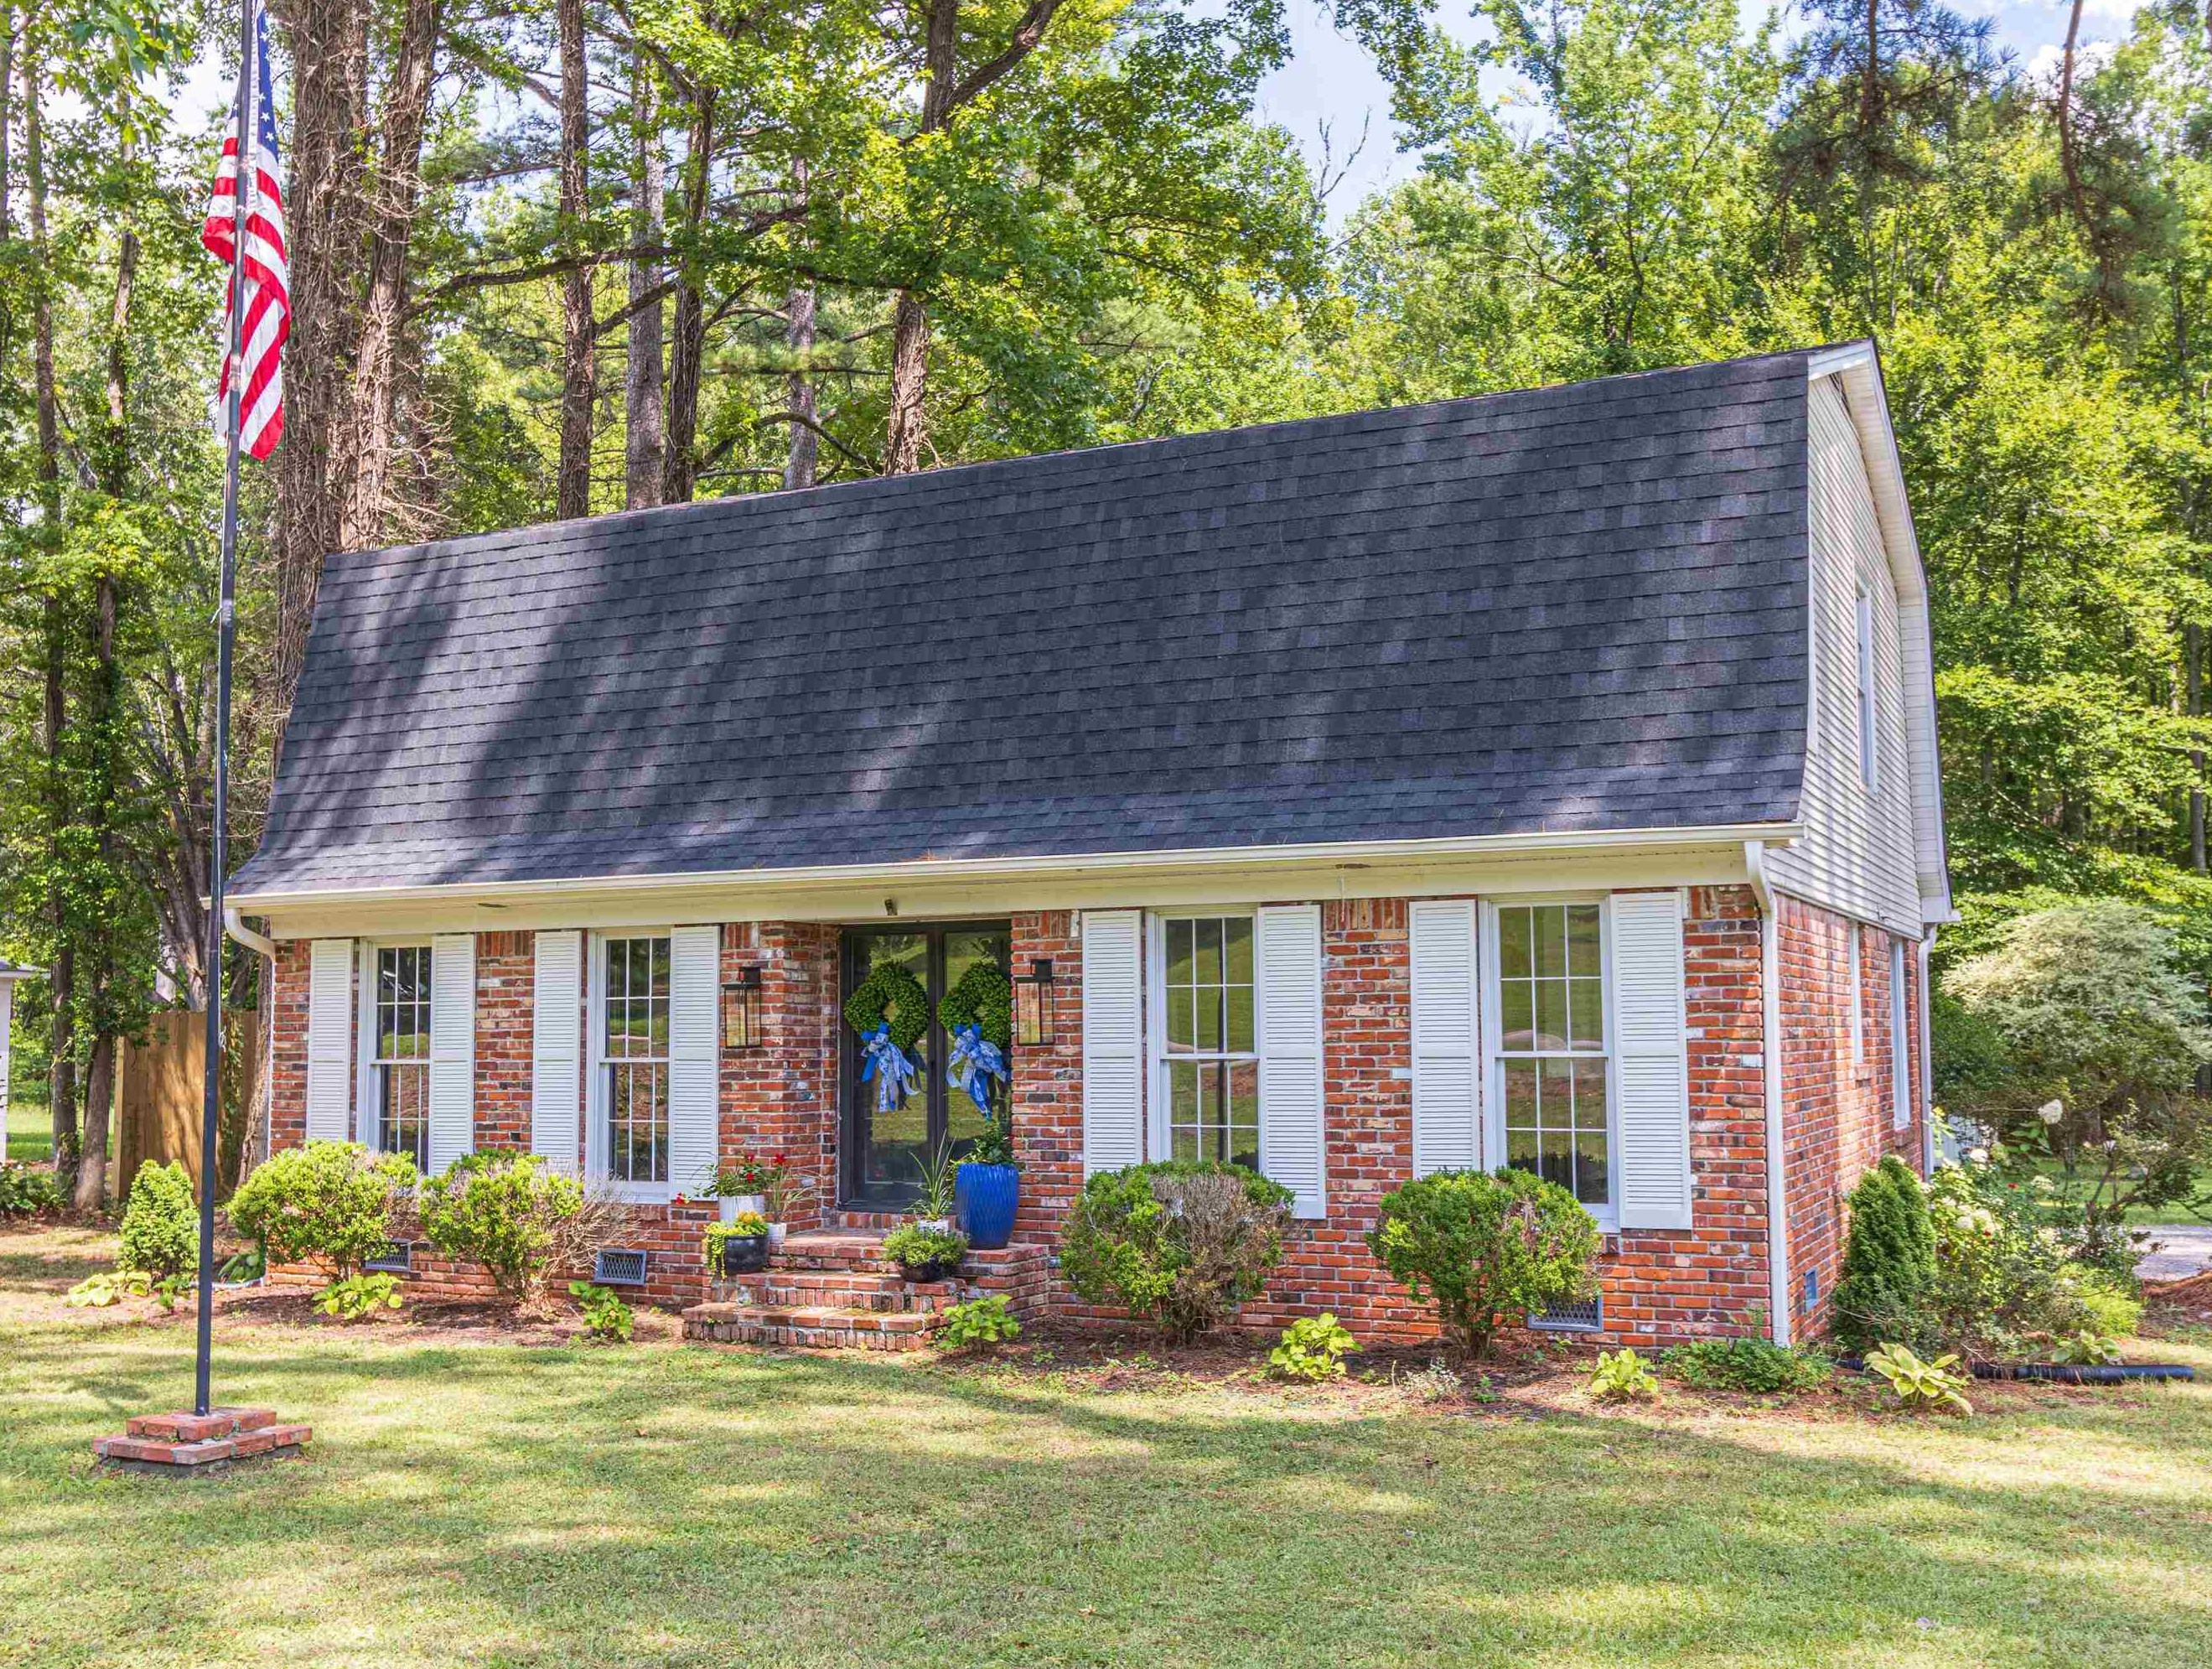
(731, 1204)
(775, 1233)
(934, 1225)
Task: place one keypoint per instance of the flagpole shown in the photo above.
(249, 172)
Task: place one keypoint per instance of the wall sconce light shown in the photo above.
(741, 1011)
(1033, 1007)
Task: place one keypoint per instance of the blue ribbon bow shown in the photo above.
(895, 1074)
(975, 1061)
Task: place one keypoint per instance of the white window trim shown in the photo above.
(1159, 1141)
(1491, 1076)
(1869, 769)
(1856, 977)
(368, 1110)
(595, 1077)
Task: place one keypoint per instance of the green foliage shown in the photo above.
(2087, 1349)
(504, 1210)
(1889, 1257)
(914, 1247)
(1746, 1364)
(750, 1175)
(1436, 1383)
(161, 1224)
(357, 1297)
(980, 1321)
(605, 1315)
(1922, 1385)
(983, 997)
(994, 1142)
(328, 1201)
(1179, 1244)
(1485, 1250)
(939, 1175)
(746, 1225)
(109, 1286)
(241, 1266)
(1622, 1376)
(1313, 1349)
(890, 996)
(26, 1192)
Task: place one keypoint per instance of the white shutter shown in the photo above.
(555, 1043)
(1113, 1040)
(694, 1061)
(452, 1048)
(1447, 1022)
(330, 1039)
(1287, 942)
(1649, 1032)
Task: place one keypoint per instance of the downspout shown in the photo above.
(1770, 994)
(236, 927)
(1927, 1059)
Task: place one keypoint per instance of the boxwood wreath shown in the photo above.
(978, 1013)
(891, 1011)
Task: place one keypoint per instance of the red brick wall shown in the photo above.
(506, 982)
(288, 1047)
(1045, 1098)
(1838, 1114)
(783, 1099)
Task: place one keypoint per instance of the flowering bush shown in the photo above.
(505, 1211)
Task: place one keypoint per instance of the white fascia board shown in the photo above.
(984, 886)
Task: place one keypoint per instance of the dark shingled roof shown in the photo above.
(1573, 608)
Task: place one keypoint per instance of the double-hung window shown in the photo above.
(630, 1040)
(1552, 1066)
(1207, 1057)
(399, 1058)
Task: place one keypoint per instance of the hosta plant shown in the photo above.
(980, 1321)
(1314, 1347)
(109, 1286)
(1622, 1376)
(605, 1315)
(2086, 1349)
(1922, 1385)
(360, 1296)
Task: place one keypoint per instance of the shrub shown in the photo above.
(1889, 1260)
(980, 1321)
(1921, 1385)
(914, 1247)
(27, 1192)
(502, 1210)
(1486, 1248)
(1746, 1364)
(2104, 1307)
(1623, 1377)
(2085, 1348)
(357, 1297)
(1178, 1244)
(605, 1315)
(160, 1223)
(328, 1201)
(1314, 1347)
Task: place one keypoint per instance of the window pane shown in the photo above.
(1582, 940)
(1182, 1026)
(1207, 964)
(1182, 1092)
(1593, 1184)
(1521, 1149)
(1180, 972)
(1209, 1019)
(1521, 1094)
(1241, 1039)
(1551, 1014)
(1515, 960)
(1183, 1143)
(1555, 1157)
(1551, 925)
(1238, 931)
(1516, 1005)
(1588, 1000)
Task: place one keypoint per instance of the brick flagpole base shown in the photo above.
(185, 1444)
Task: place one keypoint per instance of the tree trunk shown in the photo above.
(7, 118)
(99, 1101)
(573, 491)
(688, 347)
(391, 198)
(799, 463)
(910, 328)
(645, 447)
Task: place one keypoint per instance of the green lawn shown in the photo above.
(505, 1504)
(30, 1130)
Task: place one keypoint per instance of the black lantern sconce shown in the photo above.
(1033, 1007)
(741, 1012)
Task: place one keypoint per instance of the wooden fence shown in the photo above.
(160, 1092)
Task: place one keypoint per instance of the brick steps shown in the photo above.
(805, 1289)
(809, 1327)
(832, 1289)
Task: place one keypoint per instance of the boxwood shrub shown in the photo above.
(160, 1223)
(1181, 1244)
(1488, 1249)
(328, 1201)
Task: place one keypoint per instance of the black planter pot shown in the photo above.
(935, 1271)
(744, 1254)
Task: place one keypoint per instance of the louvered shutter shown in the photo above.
(1287, 968)
(1649, 1030)
(330, 1039)
(452, 1048)
(556, 1045)
(694, 1096)
(1113, 1040)
(1446, 1025)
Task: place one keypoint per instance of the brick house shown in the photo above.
(1545, 778)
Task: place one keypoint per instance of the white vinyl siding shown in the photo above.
(452, 1048)
(1113, 1040)
(1858, 855)
(555, 1048)
(1447, 1032)
(330, 1040)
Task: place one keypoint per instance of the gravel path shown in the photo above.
(2183, 1249)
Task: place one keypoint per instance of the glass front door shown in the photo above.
(884, 1151)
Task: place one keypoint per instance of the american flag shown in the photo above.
(268, 295)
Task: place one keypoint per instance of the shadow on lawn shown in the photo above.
(851, 1510)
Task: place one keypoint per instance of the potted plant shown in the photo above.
(978, 1016)
(925, 1253)
(787, 1191)
(933, 1210)
(738, 1247)
(743, 1187)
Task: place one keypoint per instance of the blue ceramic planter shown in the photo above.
(983, 1201)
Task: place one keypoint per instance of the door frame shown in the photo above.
(851, 1112)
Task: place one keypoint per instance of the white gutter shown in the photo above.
(1769, 993)
(246, 935)
(1352, 853)
(1927, 1060)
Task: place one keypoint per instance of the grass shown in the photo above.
(511, 1505)
(30, 1130)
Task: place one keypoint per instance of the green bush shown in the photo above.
(1487, 1250)
(912, 1247)
(1889, 1261)
(1922, 1385)
(504, 1210)
(605, 1315)
(1746, 1364)
(160, 1223)
(357, 1297)
(1179, 1244)
(1623, 1377)
(1314, 1347)
(980, 1321)
(26, 1192)
(328, 1201)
